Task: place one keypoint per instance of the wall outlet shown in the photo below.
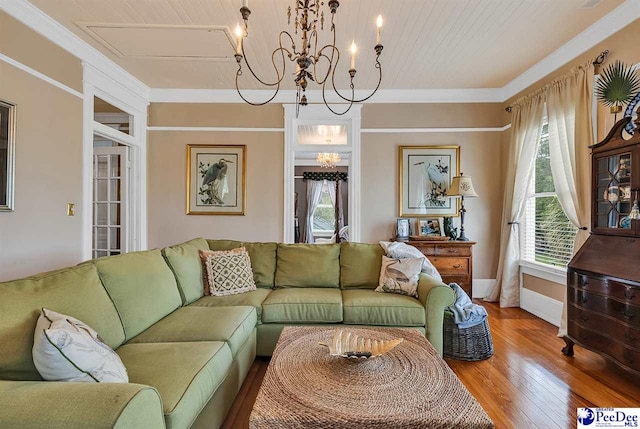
(71, 209)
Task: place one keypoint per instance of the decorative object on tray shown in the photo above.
(431, 227)
(449, 230)
(216, 179)
(403, 228)
(461, 186)
(618, 84)
(352, 346)
(425, 176)
(428, 238)
(7, 154)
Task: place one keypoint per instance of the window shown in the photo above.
(549, 234)
(323, 218)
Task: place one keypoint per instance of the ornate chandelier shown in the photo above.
(307, 56)
(328, 160)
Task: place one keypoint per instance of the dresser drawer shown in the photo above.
(597, 322)
(624, 312)
(441, 250)
(605, 345)
(451, 266)
(428, 249)
(608, 287)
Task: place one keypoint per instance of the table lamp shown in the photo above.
(461, 186)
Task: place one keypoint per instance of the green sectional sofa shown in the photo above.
(187, 354)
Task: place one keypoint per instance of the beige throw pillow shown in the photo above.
(227, 272)
(65, 349)
(400, 276)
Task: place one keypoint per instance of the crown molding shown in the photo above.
(611, 23)
(51, 29)
(454, 95)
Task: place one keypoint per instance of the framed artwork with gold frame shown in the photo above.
(425, 174)
(216, 179)
(7, 155)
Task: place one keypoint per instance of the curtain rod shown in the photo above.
(597, 62)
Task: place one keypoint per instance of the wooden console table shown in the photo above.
(452, 259)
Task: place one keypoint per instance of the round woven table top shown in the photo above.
(409, 387)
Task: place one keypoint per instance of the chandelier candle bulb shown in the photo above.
(239, 39)
(354, 49)
(245, 3)
(379, 30)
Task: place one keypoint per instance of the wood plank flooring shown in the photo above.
(528, 383)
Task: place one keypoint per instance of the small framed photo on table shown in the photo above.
(403, 228)
(431, 227)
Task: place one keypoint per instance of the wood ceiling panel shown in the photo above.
(428, 43)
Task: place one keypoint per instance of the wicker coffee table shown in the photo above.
(410, 387)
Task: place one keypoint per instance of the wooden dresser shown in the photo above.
(452, 259)
(603, 278)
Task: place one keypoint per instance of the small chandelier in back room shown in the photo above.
(308, 21)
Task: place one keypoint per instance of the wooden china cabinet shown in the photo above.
(603, 278)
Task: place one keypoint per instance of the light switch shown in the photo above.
(71, 209)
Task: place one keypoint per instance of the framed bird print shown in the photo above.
(216, 179)
(425, 176)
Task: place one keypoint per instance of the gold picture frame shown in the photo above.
(216, 179)
(425, 174)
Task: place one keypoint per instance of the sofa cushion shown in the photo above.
(75, 291)
(185, 374)
(263, 262)
(366, 307)
(228, 272)
(233, 325)
(184, 261)
(308, 305)
(262, 255)
(360, 265)
(223, 244)
(254, 298)
(142, 287)
(308, 266)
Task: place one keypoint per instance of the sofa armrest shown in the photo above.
(435, 296)
(79, 405)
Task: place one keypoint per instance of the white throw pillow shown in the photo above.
(65, 349)
(399, 250)
(400, 276)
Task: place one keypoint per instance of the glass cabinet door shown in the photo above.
(613, 191)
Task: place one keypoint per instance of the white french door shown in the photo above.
(110, 200)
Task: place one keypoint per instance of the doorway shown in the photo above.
(111, 170)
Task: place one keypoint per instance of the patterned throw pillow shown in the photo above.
(400, 276)
(65, 349)
(227, 272)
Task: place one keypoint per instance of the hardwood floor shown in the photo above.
(528, 383)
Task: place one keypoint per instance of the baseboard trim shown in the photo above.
(541, 306)
(482, 287)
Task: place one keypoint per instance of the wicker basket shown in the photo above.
(470, 344)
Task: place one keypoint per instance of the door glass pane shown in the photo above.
(101, 238)
(613, 191)
(101, 166)
(114, 190)
(101, 213)
(114, 238)
(115, 214)
(115, 166)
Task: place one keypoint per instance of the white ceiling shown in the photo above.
(428, 43)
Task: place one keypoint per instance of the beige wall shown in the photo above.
(38, 235)
(481, 155)
(621, 48)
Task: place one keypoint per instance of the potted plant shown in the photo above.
(617, 86)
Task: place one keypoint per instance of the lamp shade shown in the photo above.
(461, 186)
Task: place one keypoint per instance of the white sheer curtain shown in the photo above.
(570, 134)
(333, 195)
(314, 194)
(526, 128)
